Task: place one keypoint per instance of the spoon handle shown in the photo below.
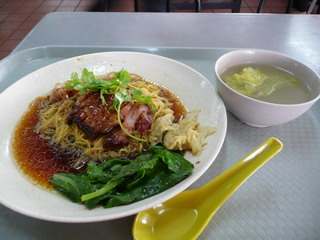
(222, 187)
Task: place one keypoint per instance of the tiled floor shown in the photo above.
(18, 17)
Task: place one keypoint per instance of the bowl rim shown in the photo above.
(313, 100)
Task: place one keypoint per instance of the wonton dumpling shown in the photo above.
(160, 127)
(187, 134)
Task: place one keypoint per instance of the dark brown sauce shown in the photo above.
(36, 157)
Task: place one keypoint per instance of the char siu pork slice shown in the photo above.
(135, 117)
(61, 94)
(92, 117)
(116, 140)
(95, 119)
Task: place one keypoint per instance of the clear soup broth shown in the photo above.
(267, 83)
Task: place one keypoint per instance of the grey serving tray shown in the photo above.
(280, 201)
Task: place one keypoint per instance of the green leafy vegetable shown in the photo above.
(119, 182)
(255, 83)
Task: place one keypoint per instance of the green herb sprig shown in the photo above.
(88, 81)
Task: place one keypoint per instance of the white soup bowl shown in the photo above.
(258, 113)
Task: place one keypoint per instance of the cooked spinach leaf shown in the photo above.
(119, 182)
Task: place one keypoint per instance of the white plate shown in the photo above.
(19, 194)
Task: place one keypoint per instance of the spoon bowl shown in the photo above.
(187, 214)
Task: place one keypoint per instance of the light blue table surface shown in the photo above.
(281, 201)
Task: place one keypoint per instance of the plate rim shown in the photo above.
(181, 186)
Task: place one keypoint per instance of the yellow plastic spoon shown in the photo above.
(188, 213)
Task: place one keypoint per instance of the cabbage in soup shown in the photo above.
(267, 83)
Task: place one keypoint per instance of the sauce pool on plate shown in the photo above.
(35, 156)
